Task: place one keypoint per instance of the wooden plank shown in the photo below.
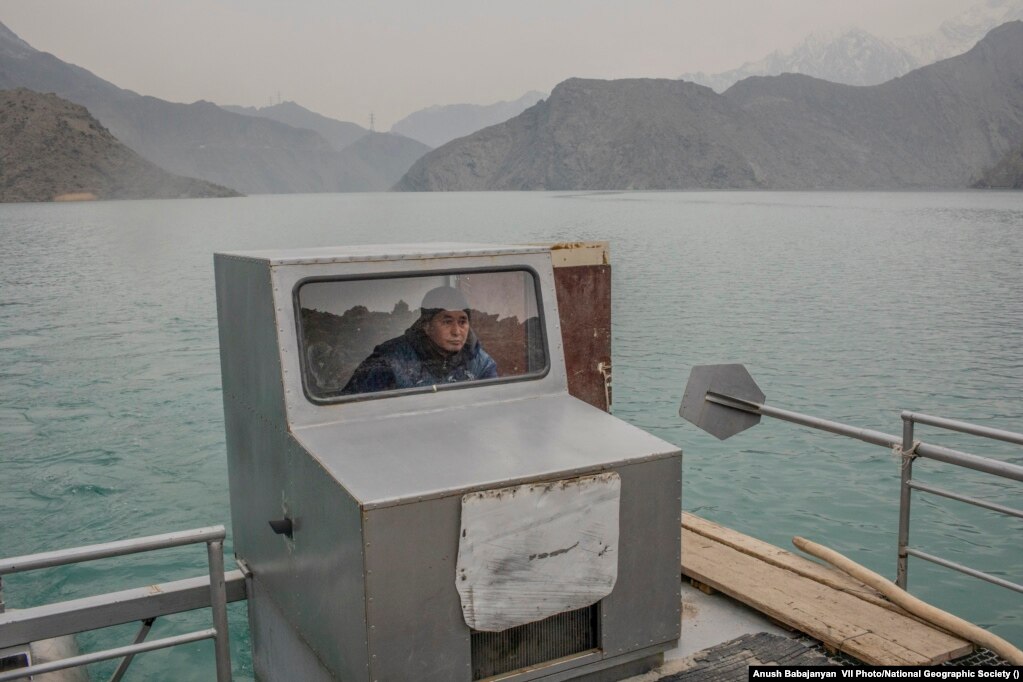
(573, 254)
(808, 568)
(781, 558)
(864, 630)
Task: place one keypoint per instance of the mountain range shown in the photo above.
(249, 153)
(52, 149)
(440, 124)
(939, 126)
(855, 57)
(339, 134)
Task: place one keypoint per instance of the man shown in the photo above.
(439, 348)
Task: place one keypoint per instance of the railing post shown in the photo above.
(902, 568)
(218, 602)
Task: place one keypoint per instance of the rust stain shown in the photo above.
(584, 303)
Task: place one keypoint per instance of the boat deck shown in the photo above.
(830, 606)
(754, 603)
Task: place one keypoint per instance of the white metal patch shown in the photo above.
(531, 551)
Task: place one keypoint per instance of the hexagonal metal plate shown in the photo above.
(728, 380)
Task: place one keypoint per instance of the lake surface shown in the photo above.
(848, 306)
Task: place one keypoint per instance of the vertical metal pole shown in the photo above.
(902, 569)
(218, 602)
(2, 606)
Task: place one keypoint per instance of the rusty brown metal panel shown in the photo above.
(584, 302)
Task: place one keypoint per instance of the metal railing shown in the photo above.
(40, 619)
(720, 399)
(911, 449)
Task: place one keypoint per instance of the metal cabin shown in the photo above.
(490, 527)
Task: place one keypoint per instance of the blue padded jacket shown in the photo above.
(411, 360)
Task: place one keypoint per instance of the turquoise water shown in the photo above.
(849, 306)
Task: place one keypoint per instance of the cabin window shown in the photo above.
(381, 336)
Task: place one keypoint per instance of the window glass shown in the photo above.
(369, 336)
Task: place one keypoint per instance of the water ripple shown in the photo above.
(850, 306)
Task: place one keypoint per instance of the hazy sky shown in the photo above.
(392, 57)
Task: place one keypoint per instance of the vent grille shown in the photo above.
(561, 635)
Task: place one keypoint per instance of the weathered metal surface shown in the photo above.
(416, 631)
(69, 617)
(365, 587)
(62, 557)
(218, 603)
(410, 457)
(531, 551)
(644, 608)
(94, 657)
(718, 420)
(963, 427)
(250, 359)
(317, 577)
(584, 300)
(278, 653)
(303, 412)
(93, 618)
(378, 253)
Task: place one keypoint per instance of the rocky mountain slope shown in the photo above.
(1006, 174)
(340, 134)
(937, 127)
(367, 161)
(855, 57)
(384, 156)
(249, 153)
(53, 149)
(852, 56)
(960, 33)
(439, 125)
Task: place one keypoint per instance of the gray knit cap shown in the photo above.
(444, 298)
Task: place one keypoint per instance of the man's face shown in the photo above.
(449, 329)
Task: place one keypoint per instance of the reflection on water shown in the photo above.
(850, 306)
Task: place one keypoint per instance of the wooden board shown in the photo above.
(777, 556)
(800, 594)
